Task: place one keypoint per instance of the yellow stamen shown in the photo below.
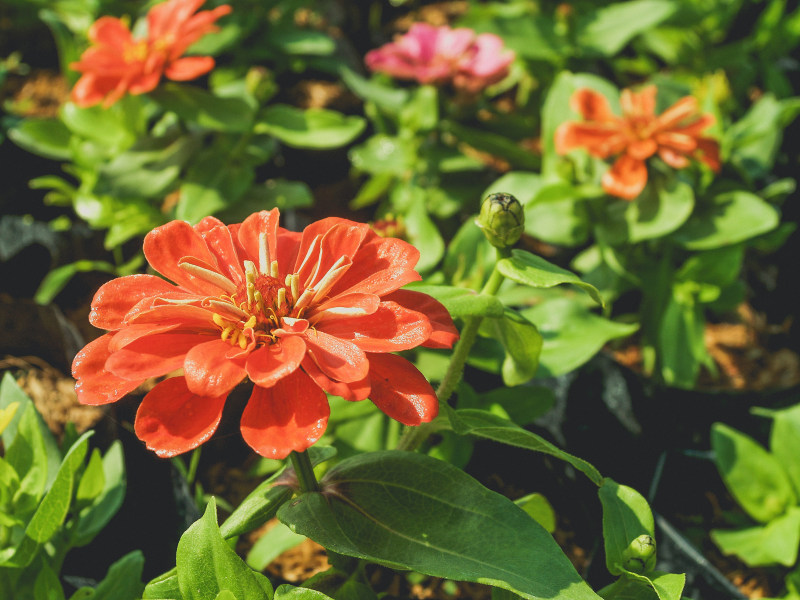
(263, 253)
(218, 320)
(226, 332)
(251, 322)
(273, 269)
(242, 341)
(281, 298)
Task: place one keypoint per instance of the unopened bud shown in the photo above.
(640, 555)
(502, 219)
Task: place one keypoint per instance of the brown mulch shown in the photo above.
(39, 94)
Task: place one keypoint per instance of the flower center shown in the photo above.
(256, 308)
(135, 52)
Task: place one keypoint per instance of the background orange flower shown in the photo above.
(637, 135)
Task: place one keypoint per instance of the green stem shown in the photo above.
(413, 437)
(305, 472)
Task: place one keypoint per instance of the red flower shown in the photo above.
(637, 135)
(299, 314)
(116, 63)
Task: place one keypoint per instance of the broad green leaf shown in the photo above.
(659, 210)
(422, 231)
(534, 271)
(563, 222)
(752, 475)
(46, 137)
(163, 587)
(107, 127)
(93, 518)
(52, 511)
(680, 341)
(784, 442)
(607, 29)
(523, 186)
(123, 580)
(27, 456)
(9, 484)
(313, 128)
(207, 565)
(225, 595)
(492, 427)
(775, 542)
(58, 278)
(655, 585)
(210, 185)
(384, 154)
(93, 479)
(521, 404)
(461, 302)
(719, 267)
(725, 219)
(273, 543)
(469, 259)
(195, 105)
(539, 509)
(289, 592)
(521, 341)
(571, 333)
(626, 516)
(388, 98)
(410, 511)
(421, 112)
(301, 41)
(261, 504)
(47, 585)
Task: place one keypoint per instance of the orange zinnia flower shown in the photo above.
(116, 63)
(296, 313)
(637, 135)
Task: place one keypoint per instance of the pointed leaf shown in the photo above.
(411, 511)
(775, 542)
(626, 516)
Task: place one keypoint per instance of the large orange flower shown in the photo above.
(637, 135)
(116, 63)
(296, 313)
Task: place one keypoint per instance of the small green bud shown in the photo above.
(502, 220)
(640, 555)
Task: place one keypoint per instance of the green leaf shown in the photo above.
(492, 427)
(539, 509)
(718, 267)
(273, 543)
(523, 186)
(313, 128)
(410, 511)
(607, 29)
(421, 112)
(656, 585)
(493, 143)
(520, 404)
(47, 585)
(195, 105)
(27, 456)
(210, 185)
(301, 41)
(93, 479)
(534, 271)
(107, 127)
(626, 516)
(521, 341)
(470, 258)
(163, 587)
(422, 231)
(752, 475)
(775, 542)
(571, 334)
(727, 218)
(388, 98)
(123, 580)
(461, 302)
(680, 342)
(58, 278)
(384, 154)
(207, 565)
(46, 137)
(52, 511)
(784, 442)
(95, 517)
(289, 592)
(659, 210)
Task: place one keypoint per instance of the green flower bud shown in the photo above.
(640, 555)
(502, 219)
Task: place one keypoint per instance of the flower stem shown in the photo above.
(305, 472)
(414, 436)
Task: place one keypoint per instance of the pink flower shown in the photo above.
(298, 314)
(440, 55)
(116, 63)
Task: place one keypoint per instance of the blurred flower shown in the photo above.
(300, 314)
(116, 63)
(637, 135)
(440, 55)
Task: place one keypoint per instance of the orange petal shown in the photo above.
(400, 390)
(188, 68)
(591, 105)
(674, 159)
(172, 420)
(354, 391)
(210, 371)
(290, 416)
(639, 104)
(115, 298)
(599, 139)
(339, 359)
(96, 385)
(626, 178)
(269, 364)
(153, 355)
(680, 111)
(709, 153)
(444, 334)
